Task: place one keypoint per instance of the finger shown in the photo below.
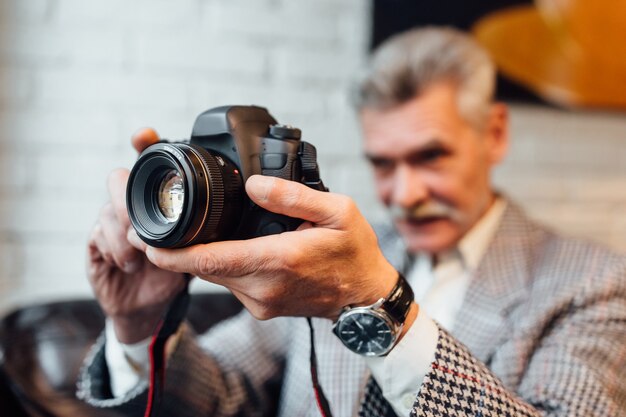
(133, 239)
(93, 253)
(99, 247)
(258, 310)
(297, 200)
(99, 258)
(143, 138)
(124, 255)
(305, 226)
(94, 260)
(116, 185)
(220, 260)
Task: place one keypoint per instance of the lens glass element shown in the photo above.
(171, 196)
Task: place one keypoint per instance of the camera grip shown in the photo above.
(273, 223)
(288, 167)
(285, 166)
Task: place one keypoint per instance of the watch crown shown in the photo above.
(378, 303)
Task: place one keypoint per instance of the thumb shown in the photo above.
(294, 199)
(143, 138)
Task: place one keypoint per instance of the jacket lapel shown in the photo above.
(498, 285)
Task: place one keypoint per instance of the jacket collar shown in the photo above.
(497, 286)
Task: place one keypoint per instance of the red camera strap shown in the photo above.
(320, 397)
(170, 323)
(167, 326)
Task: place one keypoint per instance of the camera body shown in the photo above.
(189, 192)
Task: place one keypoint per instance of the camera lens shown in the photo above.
(171, 196)
(180, 194)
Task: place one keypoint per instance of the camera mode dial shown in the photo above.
(285, 132)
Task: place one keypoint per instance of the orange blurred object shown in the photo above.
(570, 52)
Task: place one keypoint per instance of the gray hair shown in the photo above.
(407, 64)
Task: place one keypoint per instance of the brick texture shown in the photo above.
(77, 78)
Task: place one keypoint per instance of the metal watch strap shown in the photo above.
(399, 300)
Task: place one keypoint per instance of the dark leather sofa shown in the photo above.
(42, 348)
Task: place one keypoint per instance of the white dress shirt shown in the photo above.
(439, 293)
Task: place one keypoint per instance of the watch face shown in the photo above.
(365, 333)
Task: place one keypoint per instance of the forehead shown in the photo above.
(432, 115)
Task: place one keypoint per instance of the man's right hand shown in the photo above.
(132, 291)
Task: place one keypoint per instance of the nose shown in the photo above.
(409, 188)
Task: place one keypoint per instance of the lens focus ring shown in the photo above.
(215, 192)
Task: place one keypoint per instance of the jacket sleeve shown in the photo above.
(215, 374)
(458, 384)
(576, 367)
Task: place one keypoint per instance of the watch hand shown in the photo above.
(358, 324)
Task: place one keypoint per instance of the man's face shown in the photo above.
(431, 167)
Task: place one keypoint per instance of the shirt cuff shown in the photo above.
(128, 364)
(401, 372)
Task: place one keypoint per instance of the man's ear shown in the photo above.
(497, 133)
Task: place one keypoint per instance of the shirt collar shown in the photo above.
(474, 244)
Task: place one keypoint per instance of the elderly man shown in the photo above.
(464, 307)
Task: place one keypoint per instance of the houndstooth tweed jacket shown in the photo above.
(542, 331)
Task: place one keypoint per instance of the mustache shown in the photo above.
(422, 211)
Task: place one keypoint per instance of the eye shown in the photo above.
(431, 155)
(382, 165)
(428, 156)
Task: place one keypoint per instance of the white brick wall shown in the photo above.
(78, 77)
(569, 169)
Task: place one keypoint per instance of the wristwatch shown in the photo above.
(374, 330)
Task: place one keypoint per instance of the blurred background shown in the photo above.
(78, 77)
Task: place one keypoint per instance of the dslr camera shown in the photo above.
(189, 192)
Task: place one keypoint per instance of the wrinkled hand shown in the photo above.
(130, 289)
(332, 260)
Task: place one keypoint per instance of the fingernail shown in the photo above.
(133, 238)
(131, 267)
(260, 186)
